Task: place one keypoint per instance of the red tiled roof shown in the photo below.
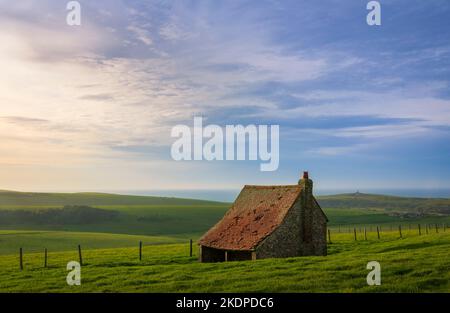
(256, 213)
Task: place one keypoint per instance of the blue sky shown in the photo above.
(91, 107)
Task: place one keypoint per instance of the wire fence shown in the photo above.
(80, 252)
(383, 231)
(335, 234)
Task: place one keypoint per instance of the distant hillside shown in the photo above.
(16, 198)
(119, 214)
(345, 201)
(160, 216)
(69, 214)
(388, 203)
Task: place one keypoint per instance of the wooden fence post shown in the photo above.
(437, 228)
(329, 236)
(400, 230)
(190, 248)
(365, 233)
(21, 259)
(420, 232)
(378, 232)
(426, 228)
(354, 230)
(45, 258)
(444, 226)
(339, 228)
(140, 250)
(79, 255)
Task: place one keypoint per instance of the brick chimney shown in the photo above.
(305, 180)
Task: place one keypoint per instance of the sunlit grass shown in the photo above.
(54, 241)
(412, 264)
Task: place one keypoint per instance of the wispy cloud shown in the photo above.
(141, 34)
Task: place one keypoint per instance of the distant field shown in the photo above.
(390, 204)
(165, 220)
(358, 217)
(413, 264)
(159, 216)
(193, 220)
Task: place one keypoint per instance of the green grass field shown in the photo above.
(412, 264)
(165, 225)
(37, 241)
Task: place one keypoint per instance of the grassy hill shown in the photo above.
(11, 199)
(151, 220)
(137, 215)
(189, 218)
(387, 203)
(413, 264)
(15, 199)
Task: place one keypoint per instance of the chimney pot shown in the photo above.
(305, 175)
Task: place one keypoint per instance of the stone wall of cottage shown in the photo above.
(302, 233)
(319, 227)
(284, 241)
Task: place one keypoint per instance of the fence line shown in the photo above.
(80, 255)
(434, 227)
(329, 230)
(401, 228)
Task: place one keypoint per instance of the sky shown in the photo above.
(91, 107)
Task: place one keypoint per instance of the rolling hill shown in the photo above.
(18, 199)
(387, 203)
(13, 199)
(190, 218)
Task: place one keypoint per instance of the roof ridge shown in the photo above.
(272, 186)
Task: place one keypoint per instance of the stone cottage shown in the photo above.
(268, 222)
